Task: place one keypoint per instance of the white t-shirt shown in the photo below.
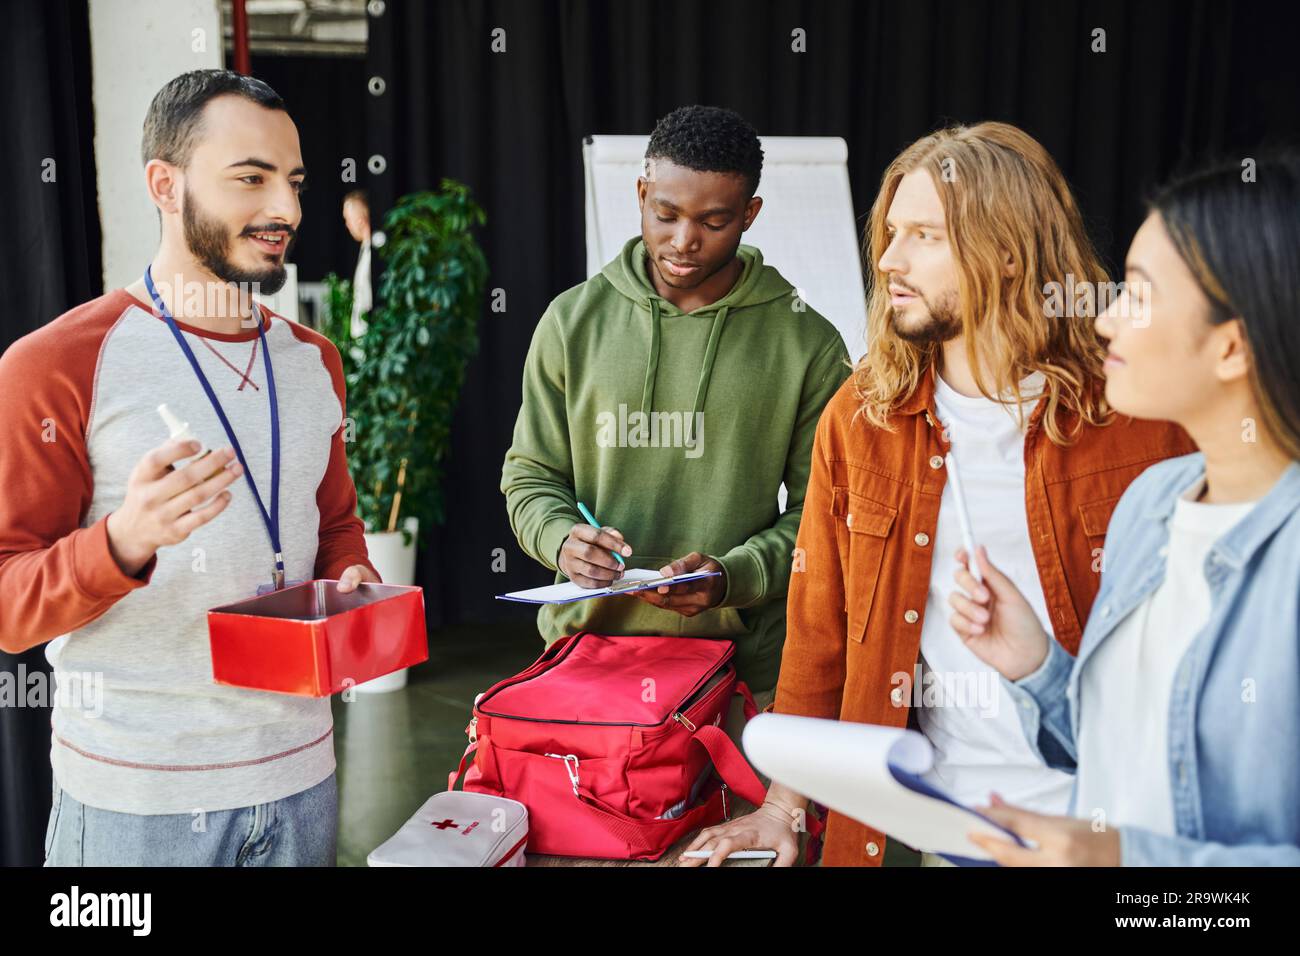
(976, 735)
(362, 300)
(1124, 691)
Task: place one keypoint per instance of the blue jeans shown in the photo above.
(300, 830)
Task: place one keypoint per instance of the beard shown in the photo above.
(210, 241)
(941, 322)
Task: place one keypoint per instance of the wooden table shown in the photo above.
(738, 807)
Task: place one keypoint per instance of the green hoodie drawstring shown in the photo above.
(706, 370)
(652, 365)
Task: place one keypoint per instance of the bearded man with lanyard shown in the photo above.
(115, 540)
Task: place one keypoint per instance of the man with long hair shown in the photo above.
(983, 292)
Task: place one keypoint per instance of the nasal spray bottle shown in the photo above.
(181, 431)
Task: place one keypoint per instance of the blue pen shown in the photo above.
(591, 520)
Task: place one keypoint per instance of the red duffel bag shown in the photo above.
(612, 743)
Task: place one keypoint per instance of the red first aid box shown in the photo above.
(313, 641)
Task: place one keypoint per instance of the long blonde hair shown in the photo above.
(1003, 196)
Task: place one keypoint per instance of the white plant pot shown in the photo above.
(395, 562)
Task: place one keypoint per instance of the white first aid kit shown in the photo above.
(454, 828)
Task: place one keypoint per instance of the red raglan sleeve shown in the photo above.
(55, 575)
(341, 541)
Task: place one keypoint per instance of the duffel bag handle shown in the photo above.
(751, 708)
(465, 761)
(731, 765)
(735, 771)
(727, 754)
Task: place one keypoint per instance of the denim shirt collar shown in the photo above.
(1229, 554)
(1239, 544)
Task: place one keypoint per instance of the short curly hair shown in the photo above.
(708, 139)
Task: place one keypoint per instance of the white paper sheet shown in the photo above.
(871, 774)
(568, 592)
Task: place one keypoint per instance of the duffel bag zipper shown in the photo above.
(685, 705)
(541, 664)
(680, 717)
(706, 695)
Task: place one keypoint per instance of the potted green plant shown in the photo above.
(335, 320)
(408, 368)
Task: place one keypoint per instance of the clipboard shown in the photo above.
(633, 580)
(874, 775)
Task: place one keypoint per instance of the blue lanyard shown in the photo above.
(271, 518)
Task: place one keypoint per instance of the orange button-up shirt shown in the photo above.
(862, 558)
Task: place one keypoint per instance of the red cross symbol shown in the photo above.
(444, 824)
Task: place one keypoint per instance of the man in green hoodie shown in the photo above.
(673, 394)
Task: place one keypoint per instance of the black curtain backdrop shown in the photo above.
(1178, 80)
(50, 247)
(326, 97)
(49, 262)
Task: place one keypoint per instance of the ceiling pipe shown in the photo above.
(243, 65)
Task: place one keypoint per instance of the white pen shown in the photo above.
(734, 855)
(963, 516)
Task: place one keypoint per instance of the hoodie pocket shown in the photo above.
(863, 532)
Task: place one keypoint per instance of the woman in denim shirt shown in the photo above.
(1181, 714)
